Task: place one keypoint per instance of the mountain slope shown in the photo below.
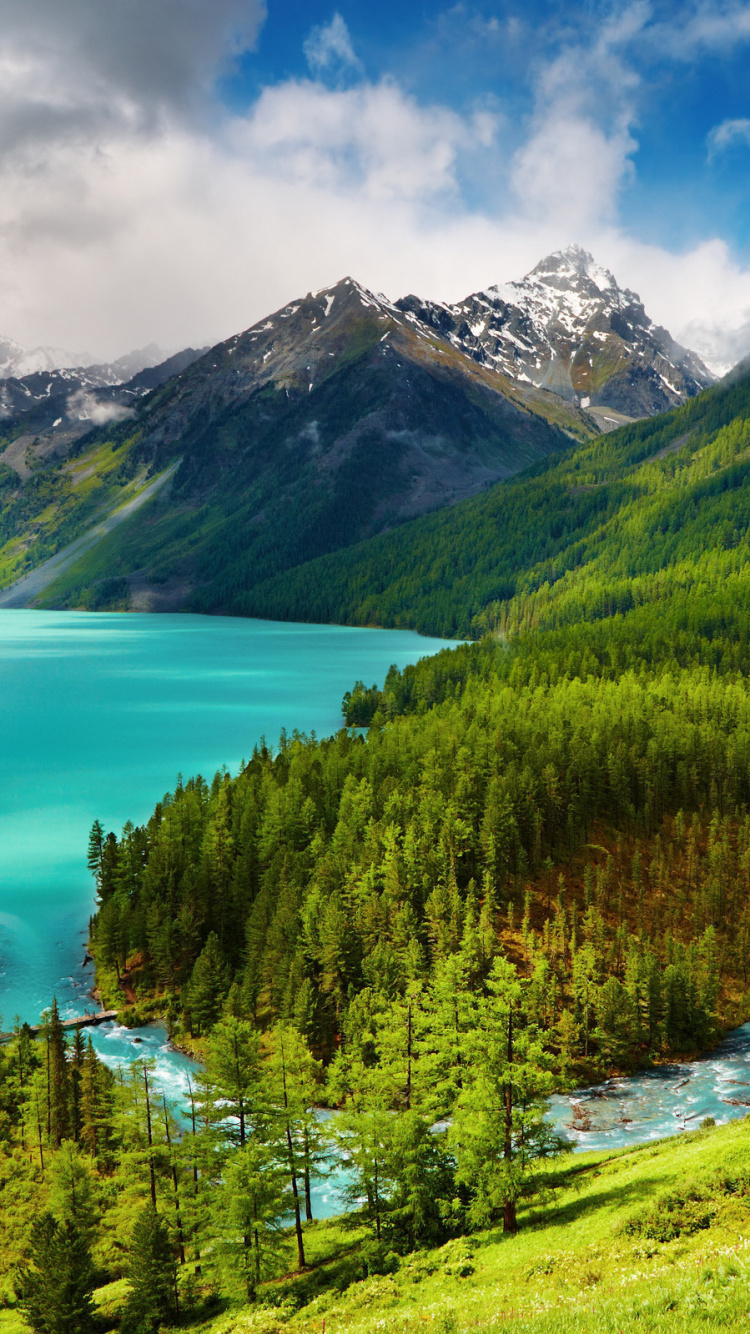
(568, 327)
(334, 419)
(618, 522)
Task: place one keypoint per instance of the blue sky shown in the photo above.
(681, 189)
(175, 169)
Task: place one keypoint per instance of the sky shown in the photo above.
(174, 170)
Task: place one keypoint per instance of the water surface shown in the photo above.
(655, 1103)
(100, 712)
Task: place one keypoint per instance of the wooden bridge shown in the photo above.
(80, 1021)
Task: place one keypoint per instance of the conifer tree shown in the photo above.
(55, 1290)
(233, 1074)
(292, 1077)
(499, 1135)
(247, 1216)
(208, 985)
(152, 1274)
(57, 1077)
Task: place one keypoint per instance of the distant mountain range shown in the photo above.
(18, 362)
(63, 404)
(336, 418)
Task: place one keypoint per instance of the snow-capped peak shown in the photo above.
(569, 267)
(568, 327)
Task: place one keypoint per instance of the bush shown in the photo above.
(674, 1215)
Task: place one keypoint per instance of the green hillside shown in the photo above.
(663, 502)
(650, 1240)
(59, 498)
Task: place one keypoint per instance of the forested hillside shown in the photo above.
(627, 519)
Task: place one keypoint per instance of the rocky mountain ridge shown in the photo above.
(569, 328)
(18, 362)
(333, 419)
(57, 399)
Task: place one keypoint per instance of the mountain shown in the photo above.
(52, 409)
(337, 418)
(568, 327)
(331, 420)
(18, 362)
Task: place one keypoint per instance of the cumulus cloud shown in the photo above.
(578, 153)
(371, 138)
(329, 46)
(134, 208)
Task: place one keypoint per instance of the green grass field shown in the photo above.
(573, 1265)
(651, 1239)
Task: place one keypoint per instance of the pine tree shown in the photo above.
(499, 1135)
(96, 846)
(96, 1105)
(292, 1082)
(248, 1211)
(55, 1293)
(209, 984)
(152, 1274)
(57, 1076)
(233, 1073)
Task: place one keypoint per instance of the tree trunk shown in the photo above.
(408, 1058)
(150, 1141)
(293, 1172)
(509, 1217)
(509, 1209)
(178, 1217)
(308, 1197)
(295, 1193)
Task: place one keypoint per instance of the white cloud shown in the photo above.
(573, 170)
(578, 153)
(329, 46)
(83, 406)
(372, 139)
(727, 133)
(132, 209)
(708, 26)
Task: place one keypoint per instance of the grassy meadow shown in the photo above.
(648, 1239)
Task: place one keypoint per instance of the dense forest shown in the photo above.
(521, 863)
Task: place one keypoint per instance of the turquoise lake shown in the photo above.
(100, 712)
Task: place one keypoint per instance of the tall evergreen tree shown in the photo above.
(55, 1289)
(499, 1135)
(152, 1275)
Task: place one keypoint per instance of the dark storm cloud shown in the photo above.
(68, 67)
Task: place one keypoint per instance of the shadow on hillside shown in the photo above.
(549, 1213)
